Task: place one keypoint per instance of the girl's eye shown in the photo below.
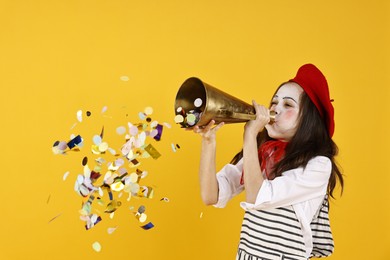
(274, 103)
(287, 105)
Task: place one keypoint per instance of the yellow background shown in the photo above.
(57, 57)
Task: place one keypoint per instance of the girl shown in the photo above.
(287, 169)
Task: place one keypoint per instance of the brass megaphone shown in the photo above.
(197, 103)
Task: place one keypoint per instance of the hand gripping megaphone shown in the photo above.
(197, 103)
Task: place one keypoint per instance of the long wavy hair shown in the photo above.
(310, 140)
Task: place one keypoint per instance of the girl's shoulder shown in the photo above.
(320, 159)
(319, 163)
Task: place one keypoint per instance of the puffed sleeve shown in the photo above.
(229, 183)
(294, 186)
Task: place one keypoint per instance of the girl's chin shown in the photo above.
(270, 130)
(274, 134)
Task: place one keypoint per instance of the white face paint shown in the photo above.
(285, 104)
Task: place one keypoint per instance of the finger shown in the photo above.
(196, 129)
(257, 108)
(209, 125)
(265, 112)
(254, 104)
(218, 126)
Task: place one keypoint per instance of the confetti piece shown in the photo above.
(191, 119)
(111, 197)
(142, 217)
(153, 133)
(102, 132)
(148, 110)
(143, 174)
(85, 161)
(97, 139)
(121, 130)
(103, 147)
(79, 115)
(179, 119)
(133, 130)
(48, 199)
(198, 102)
(104, 109)
(159, 129)
(54, 218)
(112, 151)
(112, 206)
(65, 176)
(133, 178)
(96, 246)
(124, 78)
(111, 230)
(135, 163)
(118, 186)
(88, 113)
(164, 199)
(146, 192)
(167, 125)
(148, 226)
(141, 209)
(152, 151)
(142, 115)
(201, 215)
(75, 142)
(154, 124)
(173, 147)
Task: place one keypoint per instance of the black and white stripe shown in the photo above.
(271, 234)
(323, 244)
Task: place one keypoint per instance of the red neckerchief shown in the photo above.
(270, 153)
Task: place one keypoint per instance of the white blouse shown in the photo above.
(303, 188)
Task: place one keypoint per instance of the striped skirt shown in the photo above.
(271, 234)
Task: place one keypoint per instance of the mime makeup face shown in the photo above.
(286, 105)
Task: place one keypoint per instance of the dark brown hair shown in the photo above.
(310, 140)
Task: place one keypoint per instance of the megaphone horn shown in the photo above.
(197, 103)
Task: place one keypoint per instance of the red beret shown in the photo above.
(314, 83)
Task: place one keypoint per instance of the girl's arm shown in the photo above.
(207, 168)
(294, 186)
(253, 178)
